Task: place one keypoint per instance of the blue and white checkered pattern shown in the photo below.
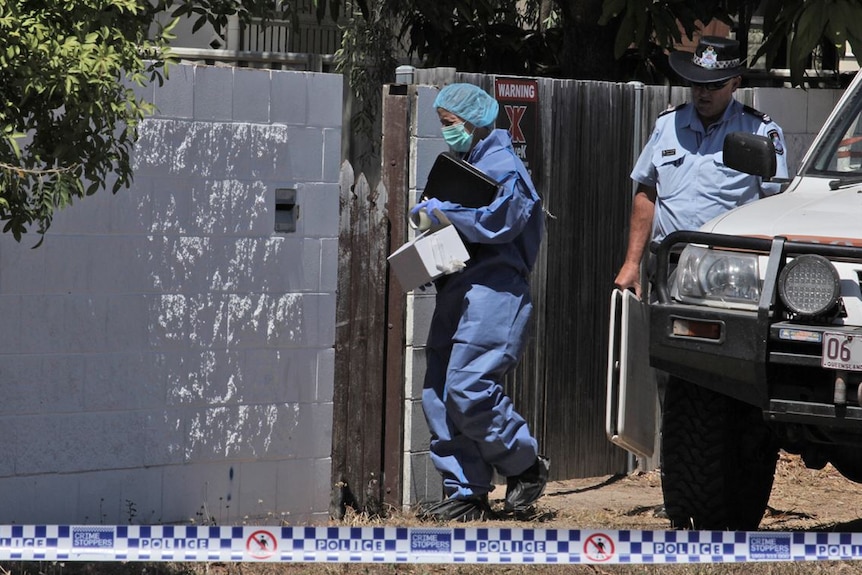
(415, 545)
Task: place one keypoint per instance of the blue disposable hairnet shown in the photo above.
(468, 102)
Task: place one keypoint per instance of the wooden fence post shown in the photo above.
(358, 415)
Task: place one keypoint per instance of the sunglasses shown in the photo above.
(710, 86)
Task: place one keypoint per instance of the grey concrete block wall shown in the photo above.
(421, 482)
(166, 356)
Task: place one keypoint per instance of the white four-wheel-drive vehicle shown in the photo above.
(758, 324)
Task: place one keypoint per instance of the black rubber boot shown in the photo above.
(475, 508)
(525, 489)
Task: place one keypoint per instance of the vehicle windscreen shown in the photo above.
(839, 154)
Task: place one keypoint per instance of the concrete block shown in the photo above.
(306, 320)
(820, 104)
(325, 375)
(257, 496)
(302, 159)
(200, 494)
(47, 335)
(786, 106)
(251, 95)
(43, 500)
(318, 210)
(332, 156)
(132, 208)
(297, 489)
(289, 97)
(310, 435)
(175, 98)
(262, 432)
(90, 217)
(426, 152)
(422, 480)
(322, 469)
(213, 93)
(165, 439)
(171, 205)
(84, 318)
(419, 316)
(34, 384)
(427, 121)
(416, 366)
(267, 150)
(10, 335)
(13, 443)
(167, 321)
(284, 264)
(250, 318)
(23, 268)
(207, 321)
(276, 376)
(111, 378)
(417, 435)
(213, 205)
(70, 259)
(126, 271)
(78, 442)
(157, 260)
(253, 211)
(61, 389)
(192, 263)
(325, 100)
(124, 497)
(328, 265)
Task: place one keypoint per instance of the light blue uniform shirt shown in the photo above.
(685, 164)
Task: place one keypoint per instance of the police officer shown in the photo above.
(682, 180)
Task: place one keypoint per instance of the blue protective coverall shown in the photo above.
(479, 329)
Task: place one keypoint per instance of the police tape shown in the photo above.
(415, 544)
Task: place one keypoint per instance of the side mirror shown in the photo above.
(750, 154)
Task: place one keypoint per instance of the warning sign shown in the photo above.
(261, 544)
(519, 106)
(599, 547)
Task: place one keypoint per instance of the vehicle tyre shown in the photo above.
(718, 459)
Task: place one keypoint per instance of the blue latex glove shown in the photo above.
(429, 206)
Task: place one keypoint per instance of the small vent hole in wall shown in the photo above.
(286, 210)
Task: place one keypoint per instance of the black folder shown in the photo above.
(454, 180)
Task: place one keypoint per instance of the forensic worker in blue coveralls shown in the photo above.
(480, 323)
(682, 180)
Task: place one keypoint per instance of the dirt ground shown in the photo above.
(802, 500)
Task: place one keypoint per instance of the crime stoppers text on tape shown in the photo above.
(415, 544)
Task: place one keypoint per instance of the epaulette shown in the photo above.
(763, 117)
(669, 110)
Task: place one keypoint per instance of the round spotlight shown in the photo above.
(809, 285)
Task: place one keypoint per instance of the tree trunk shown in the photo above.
(588, 48)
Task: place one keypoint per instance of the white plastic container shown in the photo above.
(429, 256)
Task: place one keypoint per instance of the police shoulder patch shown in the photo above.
(765, 118)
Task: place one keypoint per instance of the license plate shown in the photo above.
(842, 351)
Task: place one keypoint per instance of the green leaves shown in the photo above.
(64, 66)
(643, 24)
(805, 24)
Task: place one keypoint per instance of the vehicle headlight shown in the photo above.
(809, 285)
(707, 275)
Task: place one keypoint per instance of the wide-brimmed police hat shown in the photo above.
(715, 59)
